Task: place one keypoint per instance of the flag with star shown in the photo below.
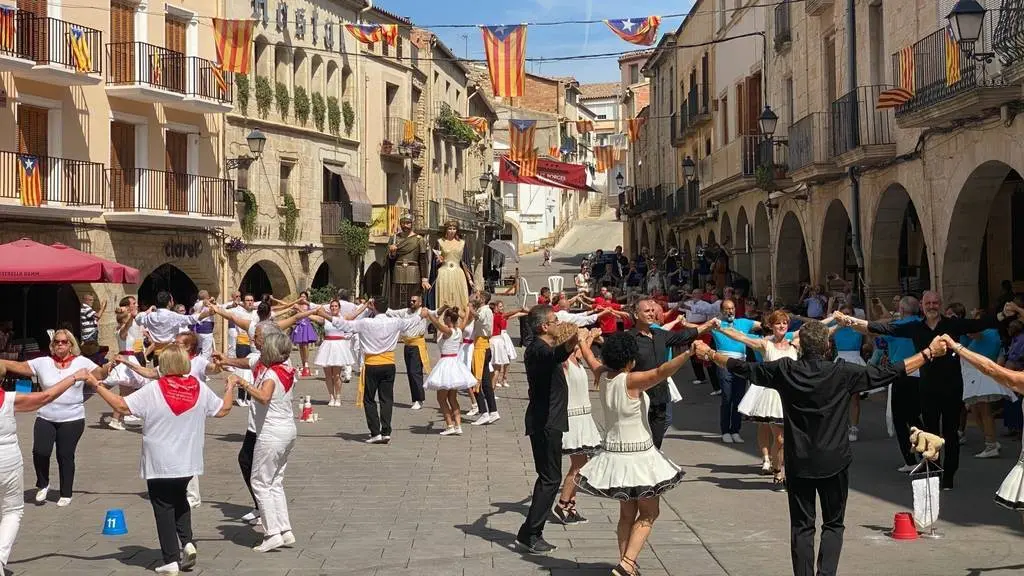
(640, 31)
(505, 47)
(389, 34)
(634, 125)
(28, 181)
(365, 33)
(80, 49)
(520, 135)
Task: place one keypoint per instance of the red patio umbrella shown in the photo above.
(27, 262)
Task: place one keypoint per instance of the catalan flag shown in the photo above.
(554, 152)
(505, 47)
(893, 98)
(218, 77)
(389, 33)
(584, 126)
(7, 28)
(952, 58)
(477, 123)
(233, 39)
(528, 164)
(520, 135)
(28, 180)
(634, 128)
(156, 71)
(365, 33)
(641, 31)
(605, 158)
(80, 50)
(906, 71)
(408, 131)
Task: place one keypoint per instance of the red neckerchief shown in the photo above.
(257, 372)
(63, 364)
(286, 374)
(180, 392)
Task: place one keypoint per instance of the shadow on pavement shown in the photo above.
(128, 555)
(980, 571)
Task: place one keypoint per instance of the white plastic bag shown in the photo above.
(673, 392)
(926, 498)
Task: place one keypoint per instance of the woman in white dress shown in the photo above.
(581, 441)
(503, 352)
(12, 497)
(126, 380)
(174, 410)
(334, 355)
(451, 374)
(629, 468)
(764, 405)
(980, 390)
(1011, 492)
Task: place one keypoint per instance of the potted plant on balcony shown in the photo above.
(764, 177)
(234, 245)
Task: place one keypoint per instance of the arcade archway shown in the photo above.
(741, 246)
(264, 277)
(170, 278)
(322, 277)
(837, 244)
(761, 268)
(899, 254)
(791, 266)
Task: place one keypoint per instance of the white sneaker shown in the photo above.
(736, 438)
(473, 411)
(991, 451)
(727, 438)
(288, 538)
(416, 406)
(239, 402)
(852, 434)
(485, 419)
(131, 420)
(715, 393)
(448, 431)
(695, 382)
(115, 424)
(495, 417)
(62, 502)
(385, 439)
(188, 557)
(253, 515)
(907, 468)
(171, 568)
(268, 544)
(331, 401)
(375, 439)
(458, 430)
(766, 466)
(41, 494)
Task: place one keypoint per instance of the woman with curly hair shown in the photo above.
(629, 468)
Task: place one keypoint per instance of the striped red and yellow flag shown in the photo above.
(584, 126)
(605, 158)
(554, 152)
(29, 182)
(528, 164)
(7, 28)
(906, 62)
(521, 135)
(365, 33)
(477, 123)
(156, 75)
(634, 128)
(389, 33)
(952, 58)
(505, 47)
(233, 39)
(218, 77)
(893, 98)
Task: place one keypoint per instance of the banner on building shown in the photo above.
(548, 173)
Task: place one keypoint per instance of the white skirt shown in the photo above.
(629, 475)
(583, 436)
(466, 355)
(499, 352)
(450, 374)
(335, 353)
(762, 404)
(1011, 491)
(123, 376)
(980, 388)
(509, 346)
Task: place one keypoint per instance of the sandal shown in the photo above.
(626, 567)
(779, 480)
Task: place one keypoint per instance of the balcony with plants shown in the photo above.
(451, 128)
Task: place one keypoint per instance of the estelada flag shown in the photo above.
(521, 134)
(553, 151)
(505, 47)
(634, 128)
(584, 126)
(528, 164)
(605, 158)
(642, 31)
(28, 180)
(389, 33)
(233, 39)
(365, 33)
(7, 28)
(80, 50)
(477, 123)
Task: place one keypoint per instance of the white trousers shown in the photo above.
(205, 345)
(12, 489)
(269, 460)
(192, 492)
(232, 342)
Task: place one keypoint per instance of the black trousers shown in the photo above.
(245, 462)
(378, 384)
(485, 401)
(832, 492)
(547, 460)
(241, 351)
(66, 436)
(172, 513)
(414, 367)
(657, 416)
(906, 412)
(941, 415)
(698, 368)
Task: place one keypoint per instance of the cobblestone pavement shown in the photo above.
(429, 505)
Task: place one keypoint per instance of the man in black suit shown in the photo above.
(653, 345)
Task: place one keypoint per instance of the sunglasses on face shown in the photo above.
(61, 342)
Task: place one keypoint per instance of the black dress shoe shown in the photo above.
(535, 546)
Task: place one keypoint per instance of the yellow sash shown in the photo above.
(421, 345)
(242, 337)
(138, 346)
(384, 359)
(480, 348)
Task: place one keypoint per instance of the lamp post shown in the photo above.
(256, 141)
(768, 121)
(967, 19)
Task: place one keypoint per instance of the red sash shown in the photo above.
(63, 364)
(180, 392)
(285, 374)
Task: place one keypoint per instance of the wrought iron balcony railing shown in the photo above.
(62, 181)
(855, 122)
(783, 25)
(173, 192)
(810, 141)
(54, 41)
(142, 63)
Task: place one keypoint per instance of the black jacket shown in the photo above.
(654, 352)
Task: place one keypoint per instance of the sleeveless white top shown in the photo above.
(579, 395)
(331, 331)
(275, 420)
(10, 452)
(450, 344)
(772, 353)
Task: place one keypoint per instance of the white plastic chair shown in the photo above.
(524, 293)
(556, 283)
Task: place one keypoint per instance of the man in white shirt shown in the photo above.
(233, 306)
(483, 329)
(163, 323)
(378, 337)
(204, 327)
(414, 349)
(698, 311)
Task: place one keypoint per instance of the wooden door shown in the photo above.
(174, 64)
(32, 135)
(122, 48)
(754, 104)
(33, 30)
(741, 111)
(177, 169)
(122, 163)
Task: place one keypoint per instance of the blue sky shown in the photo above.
(546, 41)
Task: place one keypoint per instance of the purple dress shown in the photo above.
(303, 333)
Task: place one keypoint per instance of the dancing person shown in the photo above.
(980, 390)
(467, 352)
(697, 311)
(335, 355)
(815, 396)
(378, 337)
(583, 438)
(629, 468)
(174, 412)
(733, 386)
(12, 497)
(235, 303)
(414, 349)
(450, 375)
(243, 342)
(62, 421)
(503, 352)
(128, 336)
(303, 334)
(204, 327)
(849, 345)
(163, 323)
(483, 328)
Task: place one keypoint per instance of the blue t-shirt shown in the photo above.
(901, 348)
(848, 340)
(760, 357)
(987, 344)
(725, 344)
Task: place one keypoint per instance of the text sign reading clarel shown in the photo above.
(183, 248)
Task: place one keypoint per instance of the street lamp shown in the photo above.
(967, 18)
(768, 121)
(619, 179)
(689, 168)
(256, 141)
(485, 180)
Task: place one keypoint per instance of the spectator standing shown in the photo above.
(89, 319)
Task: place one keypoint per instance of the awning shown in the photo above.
(549, 173)
(361, 207)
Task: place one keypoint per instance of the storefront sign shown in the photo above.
(183, 248)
